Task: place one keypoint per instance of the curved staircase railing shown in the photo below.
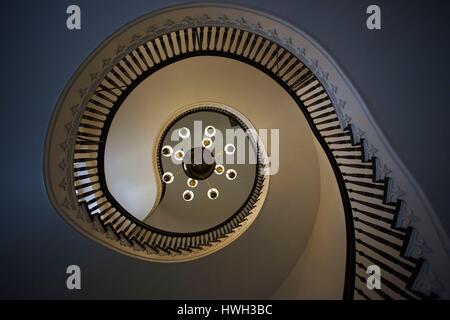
(372, 234)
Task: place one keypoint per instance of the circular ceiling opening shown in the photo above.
(192, 155)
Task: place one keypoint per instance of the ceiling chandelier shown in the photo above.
(198, 163)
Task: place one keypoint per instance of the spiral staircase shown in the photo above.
(371, 228)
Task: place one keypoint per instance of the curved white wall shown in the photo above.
(320, 272)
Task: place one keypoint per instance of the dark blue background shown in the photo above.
(401, 72)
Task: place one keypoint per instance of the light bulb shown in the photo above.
(210, 131)
(207, 143)
(229, 148)
(179, 155)
(219, 169)
(231, 174)
(188, 195)
(184, 133)
(168, 177)
(213, 193)
(192, 183)
(167, 151)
